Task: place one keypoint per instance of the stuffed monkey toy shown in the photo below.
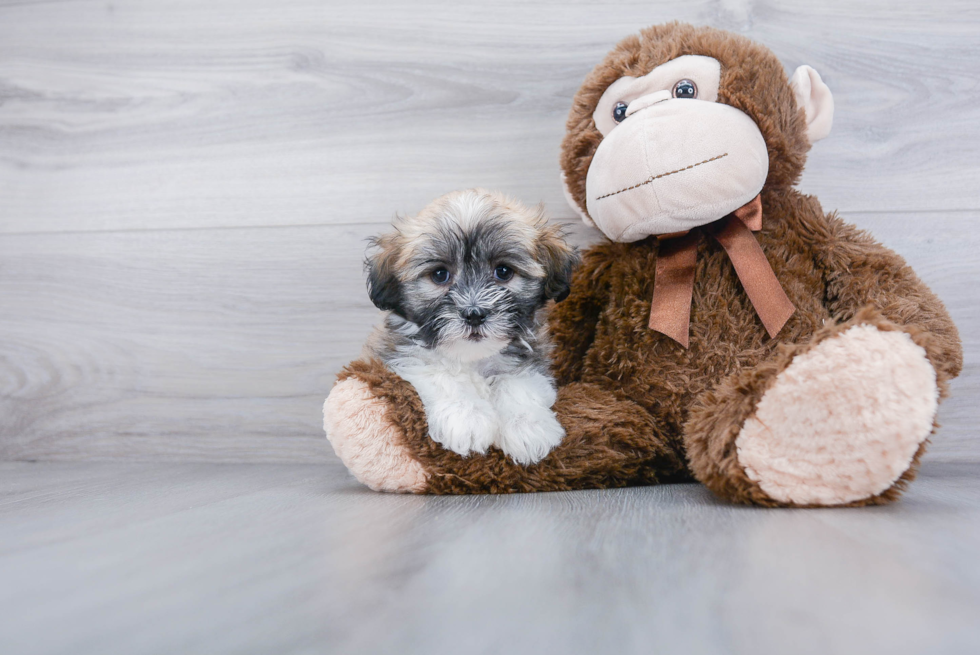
(728, 330)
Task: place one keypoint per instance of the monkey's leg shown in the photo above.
(841, 420)
(377, 426)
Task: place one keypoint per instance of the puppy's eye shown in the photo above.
(440, 276)
(503, 273)
(619, 111)
(686, 89)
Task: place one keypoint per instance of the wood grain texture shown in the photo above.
(200, 558)
(129, 115)
(185, 187)
(220, 344)
(177, 344)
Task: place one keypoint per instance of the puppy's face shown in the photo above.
(468, 273)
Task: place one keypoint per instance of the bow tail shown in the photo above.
(673, 287)
(757, 277)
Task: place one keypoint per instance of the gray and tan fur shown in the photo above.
(464, 283)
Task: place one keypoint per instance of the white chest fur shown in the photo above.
(472, 405)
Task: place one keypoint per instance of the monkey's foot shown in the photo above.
(369, 444)
(843, 422)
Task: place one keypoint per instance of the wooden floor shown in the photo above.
(258, 558)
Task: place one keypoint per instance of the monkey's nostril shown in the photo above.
(475, 316)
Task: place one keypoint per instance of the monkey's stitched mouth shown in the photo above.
(662, 175)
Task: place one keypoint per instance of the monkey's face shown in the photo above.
(682, 126)
(671, 157)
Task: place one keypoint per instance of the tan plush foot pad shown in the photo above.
(367, 443)
(843, 421)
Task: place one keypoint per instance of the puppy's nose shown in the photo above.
(475, 316)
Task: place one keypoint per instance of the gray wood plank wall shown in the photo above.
(185, 187)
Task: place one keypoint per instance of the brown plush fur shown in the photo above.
(717, 416)
(638, 408)
(610, 443)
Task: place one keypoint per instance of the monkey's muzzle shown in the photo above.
(673, 166)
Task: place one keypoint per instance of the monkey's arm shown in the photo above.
(860, 272)
(572, 322)
(377, 425)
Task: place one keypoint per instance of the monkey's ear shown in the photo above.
(559, 260)
(814, 97)
(383, 286)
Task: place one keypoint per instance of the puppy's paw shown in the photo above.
(463, 427)
(529, 433)
(528, 427)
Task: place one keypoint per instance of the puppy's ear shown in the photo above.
(559, 260)
(383, 286)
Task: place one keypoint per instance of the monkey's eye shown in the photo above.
(440, 276)
(503, 273)
(619, 112)
(686, 89)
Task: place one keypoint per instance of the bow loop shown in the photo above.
(751, 213)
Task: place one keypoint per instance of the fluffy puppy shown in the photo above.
(464, 283)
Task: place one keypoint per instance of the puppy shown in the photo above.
(464, 283)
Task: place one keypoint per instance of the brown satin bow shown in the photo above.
(673, 287)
